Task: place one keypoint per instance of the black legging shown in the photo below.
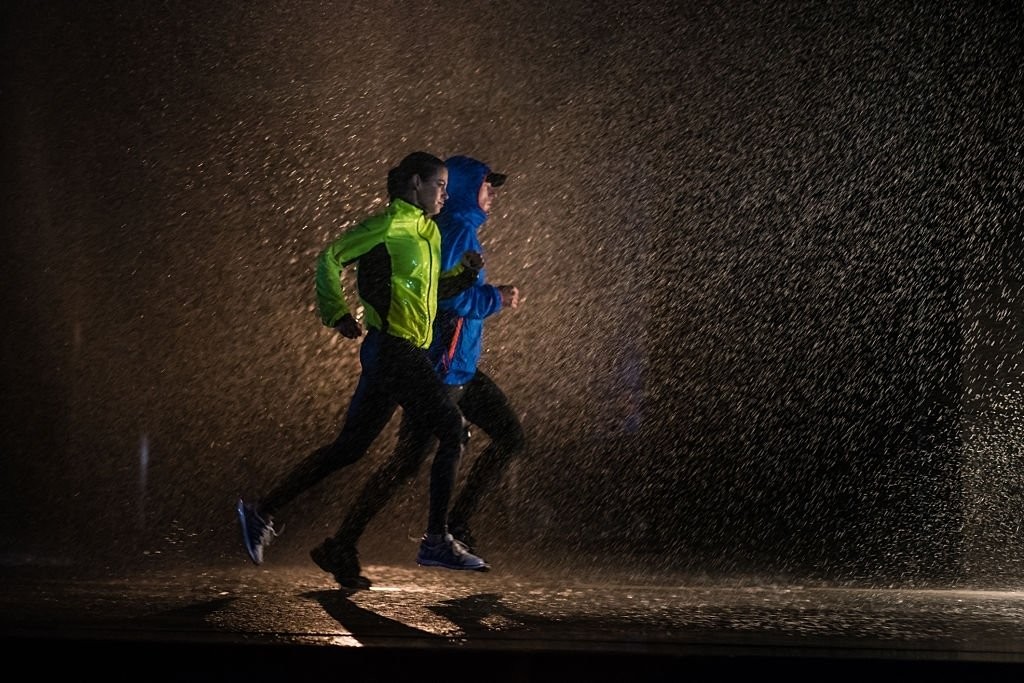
(483, 404)
(394, 373)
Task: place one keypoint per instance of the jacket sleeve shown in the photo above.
(456, 280)
(480, 301)
(330, 292)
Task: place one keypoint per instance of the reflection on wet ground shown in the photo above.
(244, 621)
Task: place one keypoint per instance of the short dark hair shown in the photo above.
(418, 163)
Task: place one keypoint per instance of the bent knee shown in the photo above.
(455, 429)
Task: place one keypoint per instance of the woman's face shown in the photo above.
(432, 192)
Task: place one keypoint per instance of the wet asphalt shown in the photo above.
(248, 623)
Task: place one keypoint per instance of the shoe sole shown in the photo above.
(433, 563)
(240, 508)
(360, 583)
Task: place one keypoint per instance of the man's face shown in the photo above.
(486, 197)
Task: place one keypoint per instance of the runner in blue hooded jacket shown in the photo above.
(455, 351)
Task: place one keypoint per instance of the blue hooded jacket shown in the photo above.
(458, 328)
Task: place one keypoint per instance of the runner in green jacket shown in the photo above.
(397, 257)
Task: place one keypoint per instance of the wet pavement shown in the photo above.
(292, 623)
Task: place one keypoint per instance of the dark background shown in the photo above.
(769, 254)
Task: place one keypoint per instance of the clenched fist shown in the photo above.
(509, 296)
(348, 326)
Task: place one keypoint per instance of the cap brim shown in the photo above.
(496, 179)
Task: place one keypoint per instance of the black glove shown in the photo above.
(472, 260)
(348, 326)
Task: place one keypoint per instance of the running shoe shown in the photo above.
(341, 560)
(462, 533)
(257, 533)
(450, 554)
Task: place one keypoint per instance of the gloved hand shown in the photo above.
(472, 260)
(348, 326)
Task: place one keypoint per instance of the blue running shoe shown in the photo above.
(462, 534)
(449, 553)
(257, 533)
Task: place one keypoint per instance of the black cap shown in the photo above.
(496, 179)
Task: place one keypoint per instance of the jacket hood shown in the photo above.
(465, 176)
